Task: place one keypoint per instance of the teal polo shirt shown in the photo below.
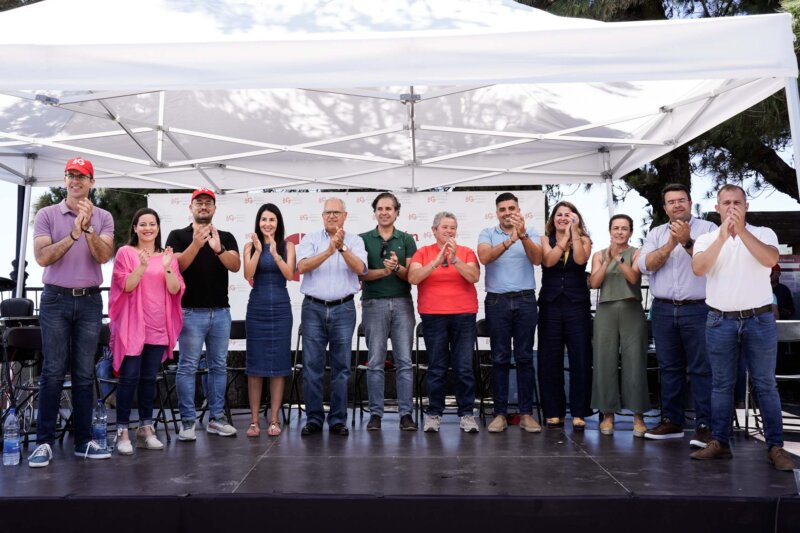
(392, 286)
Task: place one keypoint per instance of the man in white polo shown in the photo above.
(737, 259)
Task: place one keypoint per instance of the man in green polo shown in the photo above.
(387, 311)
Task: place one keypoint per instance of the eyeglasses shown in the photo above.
(384, 249)
(77, 177)
(203, 203)
(332, 213)
(681, 201)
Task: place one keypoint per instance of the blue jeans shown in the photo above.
(383, 319)
(680, 336)
(70, 331)
(325, 326)
(756, 340)
(212, 326)
(450, 342)
(138, 373)
(512, 318)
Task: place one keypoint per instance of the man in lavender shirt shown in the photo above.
(70, 240)
(679, 317)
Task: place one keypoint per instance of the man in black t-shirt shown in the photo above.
(206, 257)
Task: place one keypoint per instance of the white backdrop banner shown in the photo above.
(302, 213)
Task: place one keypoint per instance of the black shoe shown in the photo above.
(407, 423)
(374, 423)
(339, 429)
(310, 429)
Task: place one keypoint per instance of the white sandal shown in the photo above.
(148, 442)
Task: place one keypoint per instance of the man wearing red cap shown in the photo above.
(70, 240)
(206, 257)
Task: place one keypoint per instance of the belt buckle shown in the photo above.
(677, 302)
(745, 313)
(78, 292)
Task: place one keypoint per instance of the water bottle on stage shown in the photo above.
(100, 425)
(11, 439)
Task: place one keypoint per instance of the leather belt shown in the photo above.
(744, 313)
(67, 291)
(679, 302)
(330, 303)
(527, 292)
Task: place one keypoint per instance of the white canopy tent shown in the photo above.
(243, 95)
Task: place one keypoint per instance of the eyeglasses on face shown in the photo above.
(76, 177)
(332, 213)
(679, 201)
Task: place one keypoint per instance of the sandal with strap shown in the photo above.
(253, 430)
(274, 429)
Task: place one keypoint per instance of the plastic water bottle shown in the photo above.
(100, 425)
(11, 439)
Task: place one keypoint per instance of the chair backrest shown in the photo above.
(481, 328)
(788, 330)
(16, 307)
(23, 343)
(238, 329)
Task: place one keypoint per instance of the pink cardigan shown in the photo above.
(126, 311)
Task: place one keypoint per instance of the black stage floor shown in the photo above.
(403, 481)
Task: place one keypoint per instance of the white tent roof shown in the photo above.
(237, 94)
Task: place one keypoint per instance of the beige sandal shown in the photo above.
(274, 429)
(253, 430)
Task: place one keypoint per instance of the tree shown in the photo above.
(746, 146)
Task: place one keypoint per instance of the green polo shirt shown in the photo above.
(392, 286)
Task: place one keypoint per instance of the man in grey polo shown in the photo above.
(70, 240)
(387, 310)
(510, 251)
(679, 316)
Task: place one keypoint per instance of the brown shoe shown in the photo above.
(713, 450)
(529, 424)
(701, 437)
(780, 459)
(665, 430)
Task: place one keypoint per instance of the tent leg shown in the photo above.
(609, 178)
(23, 240)
(793, 103)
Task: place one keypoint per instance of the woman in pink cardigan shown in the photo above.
(145, 311)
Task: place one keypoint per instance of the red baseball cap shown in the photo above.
(84, 166)
(207, 192)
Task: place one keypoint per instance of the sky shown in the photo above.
(591, 204)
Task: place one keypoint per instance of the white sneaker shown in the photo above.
(41, 456)
(221, 428)
(123, 446)
(187, 433)
(432, 423)
(468, 424)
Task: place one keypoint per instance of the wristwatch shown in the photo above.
(221, 249)
(396, 268)
(689, 244)
(523, 235)
(344, 248)
(90, 229)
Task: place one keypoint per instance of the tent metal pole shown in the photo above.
(609, 178)
(23, 239)
(793, 103)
